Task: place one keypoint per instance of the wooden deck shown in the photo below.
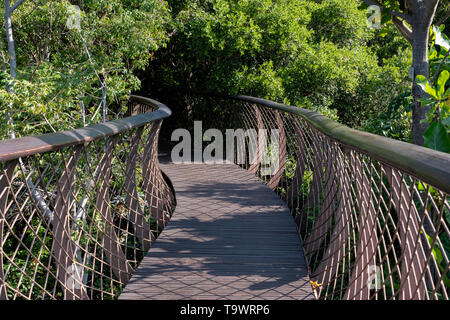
(230, 238)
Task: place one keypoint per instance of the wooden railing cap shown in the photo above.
(429, 165)
(27, 146)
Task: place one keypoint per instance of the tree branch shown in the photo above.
(404, 16)
(404, 30)
(16, 5)
(443, 19)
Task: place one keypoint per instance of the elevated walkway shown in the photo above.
(230, 237)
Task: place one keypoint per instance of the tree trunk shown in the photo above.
(422, 15)
(12, 64)
(10, 39)
(421, 67)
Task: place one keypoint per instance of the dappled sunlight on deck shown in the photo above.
(230, 237)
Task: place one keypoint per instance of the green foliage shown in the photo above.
(394, 120)
(315, 54)
(263, 82)
(219, 43)
(56, 81)
(340, 22)
(438, 256)
(440, 45)
(437, 136)
(388, 44)
(312, 54)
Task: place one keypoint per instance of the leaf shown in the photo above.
(433, 54)
(422, 82)
(441, 38)
(436, 251)
(446, 122)
(425, 101)
(437, 138)
(446, 94)
(420, 186)
(383, 32)
(447, 215)
(442, 80)
(445, 109)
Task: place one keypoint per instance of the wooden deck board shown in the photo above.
(230, 238)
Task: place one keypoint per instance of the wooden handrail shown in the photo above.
(27, 146)
(366, 207)
(429, 165)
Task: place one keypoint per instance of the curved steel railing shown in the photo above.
(80, 208)
(373, 213)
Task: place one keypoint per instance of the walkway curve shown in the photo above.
(230, 238)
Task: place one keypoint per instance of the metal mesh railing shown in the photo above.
(373, 213)
(80, 209)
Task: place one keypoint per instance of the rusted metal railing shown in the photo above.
(79, 209)
(373, 213)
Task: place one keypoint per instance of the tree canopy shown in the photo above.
(316, 54)
(56, 85)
